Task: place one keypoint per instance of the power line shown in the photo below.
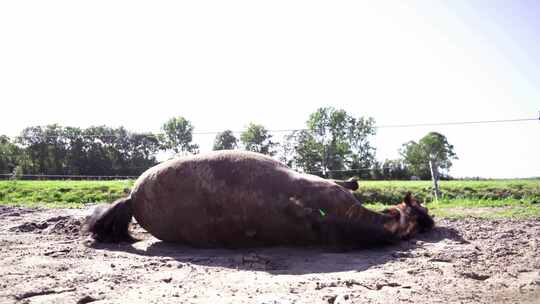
(157, 135)
(356, 170)
(458, 123)
(396, 126)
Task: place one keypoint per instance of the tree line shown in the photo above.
(333, 144)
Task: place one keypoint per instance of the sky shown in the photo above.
(224, 64)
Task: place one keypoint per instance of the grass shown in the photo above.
(61, 194)
(390, 192)
(518, 199)
(485, 199)
(489, 209)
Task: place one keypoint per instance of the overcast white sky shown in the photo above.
(222, 64)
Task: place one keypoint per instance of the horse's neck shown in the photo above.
(373, 227)
(360, 213)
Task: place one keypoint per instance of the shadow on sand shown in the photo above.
(286, 260)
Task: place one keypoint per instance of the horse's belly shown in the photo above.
(188, 213)
(193, 222)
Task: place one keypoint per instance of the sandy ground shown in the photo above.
(45, 259)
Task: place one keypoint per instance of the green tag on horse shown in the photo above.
(323, 214)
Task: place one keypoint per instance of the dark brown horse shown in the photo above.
(236, 199)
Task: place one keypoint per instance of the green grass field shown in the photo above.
(61, 194)
(491, 209)
(488, 199)
(483, 199)
(389, 192)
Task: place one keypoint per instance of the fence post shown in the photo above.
(434, 177)
(324, 161)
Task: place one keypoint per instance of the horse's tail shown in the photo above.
(110, 223)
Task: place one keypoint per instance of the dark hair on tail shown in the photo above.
(110, 223)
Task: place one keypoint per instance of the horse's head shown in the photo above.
(413, 217)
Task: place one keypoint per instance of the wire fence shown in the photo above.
(59, 177)
(119, 177)
(351, 171)
(65, 177)
(122, 177)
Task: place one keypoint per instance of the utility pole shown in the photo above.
(434, 177)
(325, 143)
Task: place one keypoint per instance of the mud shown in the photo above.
(44, 258)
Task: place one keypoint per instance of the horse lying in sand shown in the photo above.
(243, 199)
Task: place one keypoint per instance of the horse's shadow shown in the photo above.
(286, 260)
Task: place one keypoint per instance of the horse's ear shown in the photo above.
(408, 198)
(351, 184)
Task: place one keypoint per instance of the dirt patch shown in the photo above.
(65, 225)
(43, 259)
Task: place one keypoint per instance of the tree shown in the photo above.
(76, 157)
(9, 155)
(225, 141)
(178, 135)
(119, 152)
(256, 138)
(395, 169)
(434, 148)
(46, 149)
(98, 143)
(301, 151)
(335, 140)
(140, 153)
(390, 169)
(97, 150)
(376, 172)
